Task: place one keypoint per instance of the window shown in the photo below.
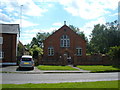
(50, 51)
(64, 41)
(79, 51)
(26, 59)
(1, 40)
(1, 55)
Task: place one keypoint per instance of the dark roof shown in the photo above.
(10, 28)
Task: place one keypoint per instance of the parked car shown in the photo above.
(26, 61)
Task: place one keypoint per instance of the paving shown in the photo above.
(15, 69)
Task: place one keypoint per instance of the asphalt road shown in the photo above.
(13, 78)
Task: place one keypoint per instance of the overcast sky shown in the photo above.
(48, 15)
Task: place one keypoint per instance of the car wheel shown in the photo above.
(20, 68)
(32, 68)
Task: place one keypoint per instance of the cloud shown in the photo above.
(25, 23)
(30, 11)
(27, 35)
(29, 7)
(4, 17)
(12, 12)
(89, 9)
(88, 27)
(32, 31)
(26, 38)
(115, 14)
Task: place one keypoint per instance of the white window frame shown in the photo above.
(65, 41)
(50, 51)
(79, 51)
(1, 40)
(1, 55)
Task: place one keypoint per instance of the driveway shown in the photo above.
(16, 69)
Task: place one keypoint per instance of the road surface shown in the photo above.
(15, 78)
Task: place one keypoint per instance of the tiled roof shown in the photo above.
(9, 28)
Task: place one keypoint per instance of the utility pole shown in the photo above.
(20, 19)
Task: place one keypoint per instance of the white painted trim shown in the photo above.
(64, 41)
(8, 63)
(50, 49)
(77, 52)
(1, 40)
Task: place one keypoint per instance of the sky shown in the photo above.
(47, 15)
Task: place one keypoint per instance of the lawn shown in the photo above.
(98, 84)
(48, 67)
(97, 68)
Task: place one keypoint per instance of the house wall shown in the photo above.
(54, 41)
(9, 47)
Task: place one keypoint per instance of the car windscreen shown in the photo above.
(26, 59)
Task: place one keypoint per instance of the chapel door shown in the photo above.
(69, 59)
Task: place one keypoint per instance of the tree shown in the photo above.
(104, 37)
(38, 40)
(35, 48)
(114, 54)
(36, 51)
(34, 42)
(27, 46)
(77, 30)
(20, 49)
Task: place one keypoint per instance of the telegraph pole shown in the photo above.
(20, 19)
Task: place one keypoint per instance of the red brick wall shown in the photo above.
(9, 47)
(54, 41)
(94, 60)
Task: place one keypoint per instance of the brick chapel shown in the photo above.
(63, 46)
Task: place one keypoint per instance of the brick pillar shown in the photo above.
(75, 60)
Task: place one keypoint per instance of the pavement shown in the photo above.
(15, 69)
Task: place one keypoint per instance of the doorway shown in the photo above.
(69, 58)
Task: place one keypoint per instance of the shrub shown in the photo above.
(114, 54)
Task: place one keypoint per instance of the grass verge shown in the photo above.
(98, 84)
(48, 67)
(98, 68)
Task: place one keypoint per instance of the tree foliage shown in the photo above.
(20, 49)
(104, 37)
(114, 52)
(77, 30)
(35, 51)
(38, 40)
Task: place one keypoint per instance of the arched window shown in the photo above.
(64, 41)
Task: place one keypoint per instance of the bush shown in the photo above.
(114, 54)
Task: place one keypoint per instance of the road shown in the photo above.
(12, 78)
